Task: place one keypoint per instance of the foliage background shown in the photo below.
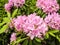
(26, 9)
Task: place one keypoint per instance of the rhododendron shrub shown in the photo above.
(30, 22)
(33, 27)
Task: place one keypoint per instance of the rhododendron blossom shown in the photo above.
(53, 20)
(11, 3)
(13, 37)
(48, 6)
(8, 6)
(18, 3)
(18, 22)
(32, 25)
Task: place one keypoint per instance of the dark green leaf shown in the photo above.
(30, 42)
(25, 42)
(36, 43)
(38, 40)
(58, 38)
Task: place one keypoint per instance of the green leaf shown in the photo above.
(54, 31)
(35, 9)
(6, 19)
(14, 13)
(38, 40)
(25, 42)
(51, 34)
(11, 43)
(30, 42)
(39, 12)
(46, 36)
(3, 28)
(2, 23)
(20, 40)
(36, 43)
(43, 15)
(58, 38)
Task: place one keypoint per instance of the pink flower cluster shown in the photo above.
(48, 6)
(32, 25)
(18, 3)
(13, 37)
(11, 3)
(8, 6)
(53, 20)
(19, 22)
